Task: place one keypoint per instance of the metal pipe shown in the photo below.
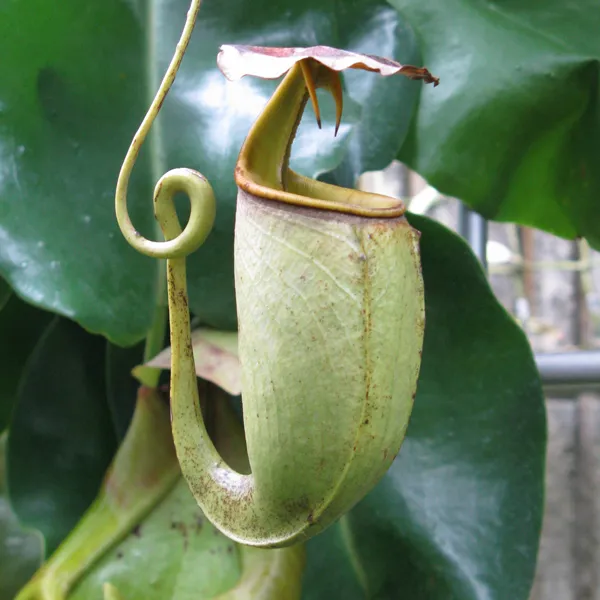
(474, 228)
(569, 368)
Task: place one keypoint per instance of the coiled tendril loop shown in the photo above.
(179, 243)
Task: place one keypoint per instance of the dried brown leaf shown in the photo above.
(270, 62)
(216, 358)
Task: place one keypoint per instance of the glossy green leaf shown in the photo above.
(514, 127)
(61, 438)
(20, 550)
(71, 97)
(458, 515)
(21, 326)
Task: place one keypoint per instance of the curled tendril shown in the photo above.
(110, 592)
(178, 243)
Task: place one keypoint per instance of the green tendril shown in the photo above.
(178, 243)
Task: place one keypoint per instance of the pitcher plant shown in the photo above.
(330, 307)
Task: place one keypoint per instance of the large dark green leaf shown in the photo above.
(21, 326)
(458, 515)
(20, 550)
(72, 95)
(514, 127)
(61, 438)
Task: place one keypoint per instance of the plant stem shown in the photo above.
(155, 337)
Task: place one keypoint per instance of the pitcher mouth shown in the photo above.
(262, 169)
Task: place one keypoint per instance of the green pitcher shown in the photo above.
(331, 318)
